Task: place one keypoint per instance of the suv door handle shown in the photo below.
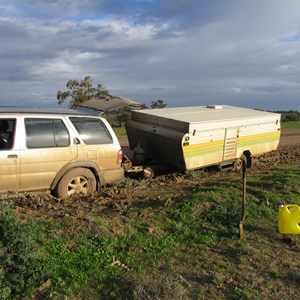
(12, 156)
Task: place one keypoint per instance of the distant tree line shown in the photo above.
(289, 116)
(158, 104)
(80, 91)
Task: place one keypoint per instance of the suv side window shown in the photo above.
(92, 131)
(46, 133)
(7, 133)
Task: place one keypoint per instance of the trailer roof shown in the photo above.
(207, 113)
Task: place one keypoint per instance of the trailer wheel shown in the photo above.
(238, 164)
(148, 173)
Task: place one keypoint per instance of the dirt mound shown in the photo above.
(288, 152)
(284, 155)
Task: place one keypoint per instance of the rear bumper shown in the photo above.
(109, 176)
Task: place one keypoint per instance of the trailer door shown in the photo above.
(230, 143)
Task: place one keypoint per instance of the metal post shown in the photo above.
(244, 199)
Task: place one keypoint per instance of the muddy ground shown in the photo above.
(139, 192)
(122, 195)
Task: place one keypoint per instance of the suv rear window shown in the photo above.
(92, 131)
(46, 133)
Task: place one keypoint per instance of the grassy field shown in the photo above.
(290, 124)
(184, 247)
(119, 131)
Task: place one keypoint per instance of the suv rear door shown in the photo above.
(99, 144)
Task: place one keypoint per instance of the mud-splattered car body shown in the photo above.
(61, 150)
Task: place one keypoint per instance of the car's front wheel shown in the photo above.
(78, 181)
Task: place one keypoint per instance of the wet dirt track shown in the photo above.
(121, 196)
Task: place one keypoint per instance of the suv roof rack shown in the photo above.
(41, 110)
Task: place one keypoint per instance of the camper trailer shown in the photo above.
(189, 138)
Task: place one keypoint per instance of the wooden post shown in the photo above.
(244, 199)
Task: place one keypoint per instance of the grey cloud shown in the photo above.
(267, 89)
(186, 52)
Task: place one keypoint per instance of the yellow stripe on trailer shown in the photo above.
(203, 148)
(218, 146)
(256, 139)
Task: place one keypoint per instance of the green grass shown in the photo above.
(290, 124)
(119, 131)
(183, 248)
(23, 263)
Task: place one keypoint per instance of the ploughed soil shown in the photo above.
(123, 195)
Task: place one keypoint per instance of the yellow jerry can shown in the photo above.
(289, 219)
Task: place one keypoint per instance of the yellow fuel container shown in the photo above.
(289, 219)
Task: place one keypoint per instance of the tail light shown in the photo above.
(120, 156)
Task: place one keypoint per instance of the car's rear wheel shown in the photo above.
(79, 181)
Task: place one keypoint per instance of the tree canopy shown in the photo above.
(289, 116)
(158, 104)
(81, 91)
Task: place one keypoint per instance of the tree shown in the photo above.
(122, 116)
(81, 91)
(158, 104)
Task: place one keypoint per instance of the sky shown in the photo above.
(185, 52)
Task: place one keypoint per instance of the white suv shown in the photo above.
(61, 150)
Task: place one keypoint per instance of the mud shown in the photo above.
(120, 197)
(288, 152)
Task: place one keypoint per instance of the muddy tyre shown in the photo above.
(79, 181)
(148, 173)
(238, 165)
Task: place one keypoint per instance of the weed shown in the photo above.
(184, 248)
(294, 276)
(186, 223)
(218, 278)
(241, 293)
(22, 266)
(276, 273)
(193, 174)
(162, 287)
(88, 261)
(225, 216)
(126, 183)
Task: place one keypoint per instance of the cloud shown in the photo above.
(236, 90)
(187, 52)
(66, 62)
